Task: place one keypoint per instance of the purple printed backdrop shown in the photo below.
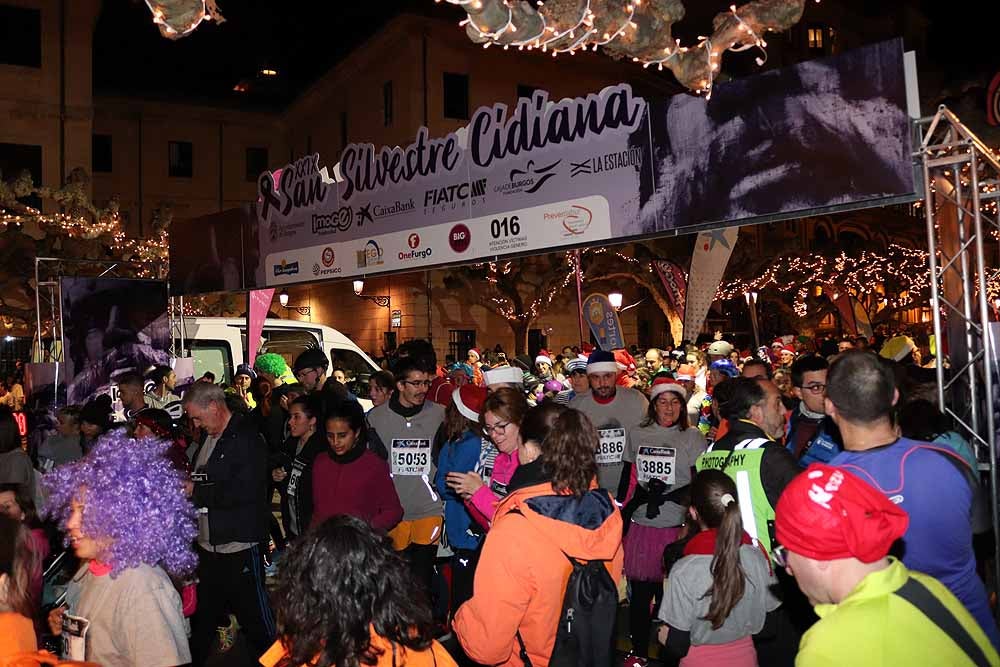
(824, 134)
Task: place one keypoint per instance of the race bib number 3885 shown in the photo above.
(411, 457)
(611, 446)
(655, 463)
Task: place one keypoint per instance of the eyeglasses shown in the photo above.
(499, 427)
(815, 388)
(418, 383)
(779, 555)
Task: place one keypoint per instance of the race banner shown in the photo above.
(674, 283)
(603, 321)
(547, 174)
(708, 264)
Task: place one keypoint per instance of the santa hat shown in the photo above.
(777, 342)
(469, 400)
(587, 349)
(503, 375)
(474, 352)
(686, 372)
(625, 361)
(602, 361)
(661, 385)
(787, 348)
(543, 358)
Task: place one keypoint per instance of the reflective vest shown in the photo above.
(742, 463)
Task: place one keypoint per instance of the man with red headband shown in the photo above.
(835, 533)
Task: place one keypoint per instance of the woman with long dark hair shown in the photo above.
(17, 632)
(660, 455)
(18, 503)
(718, 595)
(348, 478)
(293, 464)
(345, 598)
(522, 573)
(460, 454)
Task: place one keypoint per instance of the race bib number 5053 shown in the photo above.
(655, 463)
(611, 446)
(411, 457)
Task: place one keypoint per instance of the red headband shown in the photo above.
(827, 513)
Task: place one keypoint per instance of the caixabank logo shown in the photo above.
(286, 268)
(415, 251)
(328, 258)
(370, 255)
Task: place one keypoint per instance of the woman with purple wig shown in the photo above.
(126, 516)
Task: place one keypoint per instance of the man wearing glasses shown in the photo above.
(811, 437)
(404, 428)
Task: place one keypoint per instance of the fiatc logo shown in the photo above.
(450, 197)
(414, 242)
(286, 268)
(328, 258)
(574, 218)
(459, 238)
(370, 255)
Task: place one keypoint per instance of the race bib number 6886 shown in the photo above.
(611, 446)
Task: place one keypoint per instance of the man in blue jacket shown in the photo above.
(933, 484)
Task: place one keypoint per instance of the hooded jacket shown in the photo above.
(522, 573)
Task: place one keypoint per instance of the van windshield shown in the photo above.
(356, 369)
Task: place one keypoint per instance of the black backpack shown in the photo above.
(587, 621)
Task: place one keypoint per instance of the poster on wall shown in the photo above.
(111, 326)
(544, 174)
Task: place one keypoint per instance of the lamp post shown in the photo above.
(615, 298)
(751, 298)
(381, 300)
(305, 311)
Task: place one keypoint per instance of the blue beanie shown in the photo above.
(602, 361)
(725, 367)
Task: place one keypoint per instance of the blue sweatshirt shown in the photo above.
(460, 455)
(932, 484)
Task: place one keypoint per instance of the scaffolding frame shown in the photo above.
(960, 174)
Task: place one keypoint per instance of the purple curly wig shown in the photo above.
(135, 497)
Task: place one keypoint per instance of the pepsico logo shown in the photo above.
(328, 257)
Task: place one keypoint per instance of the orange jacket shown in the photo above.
(17, 634)
(522, 574)
(391, 656)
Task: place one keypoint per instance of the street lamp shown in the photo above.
(305, 311)
(615, 298)
(751, 298)
(378, 299)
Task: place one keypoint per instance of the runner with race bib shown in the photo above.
(659, 461)
(614, 410)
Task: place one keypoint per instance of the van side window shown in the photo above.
(356, 369)
(212, 355)
(289, 343)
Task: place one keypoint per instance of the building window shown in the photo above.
(20, 36)
(814, 36)
(181, 156)
(387, 103)
(460, 341)
(524, 90)
(15, 158)
(100, 153)
(343, 130)
(456, 96)
(256, 162)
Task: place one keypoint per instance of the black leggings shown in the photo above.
(421, 557)
(640, 613)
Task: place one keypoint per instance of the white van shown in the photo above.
(216, 344)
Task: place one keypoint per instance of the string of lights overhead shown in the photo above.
(636, 29)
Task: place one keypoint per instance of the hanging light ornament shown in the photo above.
(179, 18)
(636, 29)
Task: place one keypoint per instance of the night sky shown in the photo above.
(302, 40)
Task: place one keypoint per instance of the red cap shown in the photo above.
(827, 513)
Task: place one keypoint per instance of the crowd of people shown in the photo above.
(799, 504)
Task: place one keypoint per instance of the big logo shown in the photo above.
(370, 255)
(459, 238)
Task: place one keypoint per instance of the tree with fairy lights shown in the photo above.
(80, 231)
